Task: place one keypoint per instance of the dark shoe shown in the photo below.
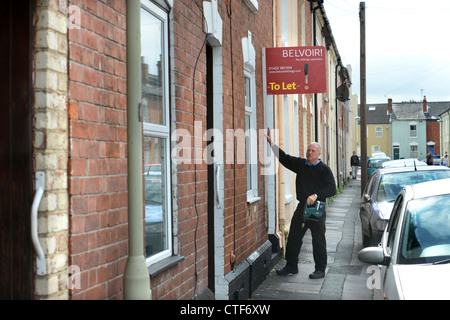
(317, 275)
(287, 270)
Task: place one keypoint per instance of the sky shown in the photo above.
(407, 47)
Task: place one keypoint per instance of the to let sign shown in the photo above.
(293, 70)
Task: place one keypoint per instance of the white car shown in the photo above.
(414, 253)
(411, 162)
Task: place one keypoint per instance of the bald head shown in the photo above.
(313, 153)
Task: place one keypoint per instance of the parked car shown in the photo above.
(380, 193)
(414, 254)
(436, 159)
(378, 154)
(374, 163)
(402, 163)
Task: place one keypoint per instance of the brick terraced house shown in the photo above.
(132, 136)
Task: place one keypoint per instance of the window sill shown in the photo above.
(251, 200)
(288, 198)
(158, 267)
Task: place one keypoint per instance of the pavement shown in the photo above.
(346, 277)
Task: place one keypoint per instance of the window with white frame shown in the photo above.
(413, 130)
(156, 128)
(251, 145)
(378, 132)
(414, 150)
(250, 138)
(248, 126)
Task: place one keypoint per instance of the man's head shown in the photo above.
(313, 153)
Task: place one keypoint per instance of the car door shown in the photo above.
(389, 242)
(366, 209)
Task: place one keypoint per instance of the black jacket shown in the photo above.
(354, 161)
(310, 179)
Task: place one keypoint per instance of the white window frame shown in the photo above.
(379, 132)
(251, 134)
(414, 154)
(249, 56)
(412, 133)
(162, 131)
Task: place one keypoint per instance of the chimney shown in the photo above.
(425, 104)
(389, 106)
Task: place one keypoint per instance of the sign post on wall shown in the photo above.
(295, 70)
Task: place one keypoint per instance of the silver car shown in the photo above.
(380, 193)
(414, 253)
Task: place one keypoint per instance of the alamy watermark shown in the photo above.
(74, 277)
(234, 146)
(74, 17)
(374, 280)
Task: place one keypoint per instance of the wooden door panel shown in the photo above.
(16, 262)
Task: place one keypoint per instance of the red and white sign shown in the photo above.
(294, 70)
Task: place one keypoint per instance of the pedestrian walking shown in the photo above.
(354, 162)
(314, 182)
(444, 159)
(429, 158)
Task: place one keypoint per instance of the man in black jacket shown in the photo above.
(354, 162)
(314, 181)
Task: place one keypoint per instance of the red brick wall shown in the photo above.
(245, 228)
(433, 134)
(97, 171)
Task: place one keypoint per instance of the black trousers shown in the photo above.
(298, 228)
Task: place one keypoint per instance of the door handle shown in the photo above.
(40, 259)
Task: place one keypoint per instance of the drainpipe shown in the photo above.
(338, 175)
(136, 280)
(316, 115)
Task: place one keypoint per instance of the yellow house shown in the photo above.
(378, 129)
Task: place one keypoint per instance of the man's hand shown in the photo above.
(269, 139)
(311, 199)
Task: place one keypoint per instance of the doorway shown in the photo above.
(16, 166)
(396, 152)
(211, 166)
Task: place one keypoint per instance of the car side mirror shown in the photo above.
(373, 255)
(366, 197)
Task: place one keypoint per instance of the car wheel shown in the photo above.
(365, 238)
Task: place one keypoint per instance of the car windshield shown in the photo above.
(392, 183)
(426, 232)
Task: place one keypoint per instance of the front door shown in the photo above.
(396, 153)
(211, 169)
(16, 254)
